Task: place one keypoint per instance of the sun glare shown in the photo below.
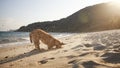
(115, 3)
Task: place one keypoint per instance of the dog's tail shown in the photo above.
(30, 38)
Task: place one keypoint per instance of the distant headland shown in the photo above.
(93, 18)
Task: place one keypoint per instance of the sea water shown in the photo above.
(19, 38)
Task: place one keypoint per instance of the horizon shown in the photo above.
(17, 13)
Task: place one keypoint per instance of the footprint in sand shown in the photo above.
(84, 54)
(72, 61)
(99, 47)
(52, 58)
(111, 57)
(65, 50)
(76, 47)
(11, 65)
(71, 56)
(45, 60)
(6, 56)
(88, 45)
(89, 64)
(20, 60)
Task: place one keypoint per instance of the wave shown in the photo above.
(10, 40)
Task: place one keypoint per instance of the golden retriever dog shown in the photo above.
(38, 35)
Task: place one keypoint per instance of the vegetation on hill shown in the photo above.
(93, 18)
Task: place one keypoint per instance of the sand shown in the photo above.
(83, 50)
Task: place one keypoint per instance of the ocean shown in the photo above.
(19, 38)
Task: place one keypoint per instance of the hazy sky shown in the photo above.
(16, 13)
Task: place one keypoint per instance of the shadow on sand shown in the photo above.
(32, 52)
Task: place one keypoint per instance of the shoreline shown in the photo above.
(17, 40)
(14, 44)
(80, 51)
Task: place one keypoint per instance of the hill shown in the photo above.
(93, 18)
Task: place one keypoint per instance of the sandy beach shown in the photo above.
(83, 50)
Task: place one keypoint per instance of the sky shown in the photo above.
(17, 13)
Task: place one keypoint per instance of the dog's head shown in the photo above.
(60, 45)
